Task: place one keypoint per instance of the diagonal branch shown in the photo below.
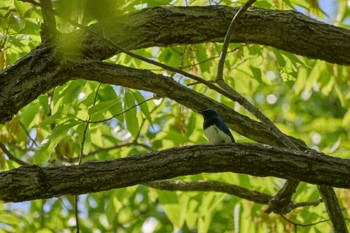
(227, 39)
(11, 156)
(48, 29)
(333, 208)
(164, 86)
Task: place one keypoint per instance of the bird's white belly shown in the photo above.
(215, 135)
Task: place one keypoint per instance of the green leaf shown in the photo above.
(314, 75)
(256, 73)
(102, 106)
(107, 92)
(130, 115)
(9, 219)
(44, 103)
(175, 207)
(301, 80)
(191, 124)
(144, 106)
(116, 110)
(43, 152)
(29, 113)
(192, 212)
(112, 208)
(71, 91)
(210, 202)
(22, 7)
(87, 141)
(201, 54)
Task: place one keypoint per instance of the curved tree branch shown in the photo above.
(164, 26)
(140, 79)
(166, 87)
(32, 182)
(50, 66)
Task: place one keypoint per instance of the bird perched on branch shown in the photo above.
(215, 128)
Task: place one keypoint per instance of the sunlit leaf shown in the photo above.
(306, 98)
(43, 152)
(175, 207)
(130, 115)
(143, 105)
(102, 106)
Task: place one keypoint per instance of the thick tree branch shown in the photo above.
(166, 87)
(128, 77)
(31, 182)
(333, 208)
(164, 26)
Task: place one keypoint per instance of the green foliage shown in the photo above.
(307, 99)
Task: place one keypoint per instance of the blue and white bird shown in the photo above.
(215, 128)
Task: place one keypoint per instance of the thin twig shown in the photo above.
(203, 61)
(118, 114)
(309, 203)
(28, 134)
(101, 150)
(86, 127)
(76, 197)
(228, 35)
(243, 101)
(11, 156)
(303, 225)
(211, 58)
(76, 209)
(133, 143)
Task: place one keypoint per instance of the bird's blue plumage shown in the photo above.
(215, 128)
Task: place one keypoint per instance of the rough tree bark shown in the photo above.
(32, 182)
(48, 66)
(43, 69)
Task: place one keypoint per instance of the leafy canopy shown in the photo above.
(308, 99)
